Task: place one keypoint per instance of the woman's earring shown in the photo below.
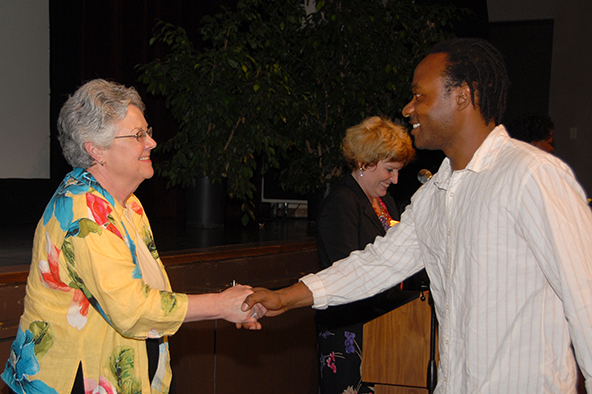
(361, 173)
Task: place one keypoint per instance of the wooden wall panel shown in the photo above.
(213, 356)
(281, 358)
(397, 348)
(193, 350)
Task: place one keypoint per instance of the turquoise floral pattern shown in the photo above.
(50, 277)
(137, 272)
(80, 221)
(78, 311)
(23, 362)
(61, 204)
(146, 234)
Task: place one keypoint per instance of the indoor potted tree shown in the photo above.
(359, 62)
(272, 80)
(231, 98)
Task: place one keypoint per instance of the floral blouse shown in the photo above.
(86, 302)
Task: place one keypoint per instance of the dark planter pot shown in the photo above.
(205, 204)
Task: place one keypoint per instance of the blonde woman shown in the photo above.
(354, 213)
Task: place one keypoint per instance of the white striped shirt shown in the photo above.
(507, 244)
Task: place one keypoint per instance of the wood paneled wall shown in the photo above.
(213, 356)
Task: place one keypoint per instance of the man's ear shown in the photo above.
(463, 98)
(94, 151)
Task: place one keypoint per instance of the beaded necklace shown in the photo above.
(383, 215)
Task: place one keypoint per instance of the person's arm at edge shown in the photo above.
(565, 226)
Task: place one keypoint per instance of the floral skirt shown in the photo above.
(340, 351)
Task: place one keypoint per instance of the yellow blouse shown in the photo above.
(86, 300)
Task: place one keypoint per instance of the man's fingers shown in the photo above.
(252, 299)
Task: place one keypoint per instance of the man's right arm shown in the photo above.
(279, 301)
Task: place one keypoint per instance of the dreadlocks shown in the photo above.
(481, 66)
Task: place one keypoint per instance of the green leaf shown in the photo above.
(297, 81)
(88, 226)
(168, 302)
(43, 336)
(121, 366)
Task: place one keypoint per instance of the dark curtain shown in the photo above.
(107, 39)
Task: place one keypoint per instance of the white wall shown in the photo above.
(24, 89)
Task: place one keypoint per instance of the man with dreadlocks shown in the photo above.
(503, 231)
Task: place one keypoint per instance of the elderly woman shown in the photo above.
(354, 213)
(99, 305)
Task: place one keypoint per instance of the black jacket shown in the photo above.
(347, 222)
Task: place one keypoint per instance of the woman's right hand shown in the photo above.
(224, 305)
(231, 301)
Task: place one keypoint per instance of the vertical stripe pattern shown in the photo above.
(507, 244)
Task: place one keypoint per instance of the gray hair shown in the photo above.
(90, 115)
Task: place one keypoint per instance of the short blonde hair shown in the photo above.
(377, 139)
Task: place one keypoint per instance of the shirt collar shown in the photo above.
(483, 158)
(87, 178)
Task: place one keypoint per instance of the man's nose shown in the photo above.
(407, 110)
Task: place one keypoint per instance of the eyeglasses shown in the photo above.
(140, 136)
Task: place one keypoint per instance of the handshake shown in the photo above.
(260, 302)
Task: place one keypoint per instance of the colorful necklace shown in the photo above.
(383, 215)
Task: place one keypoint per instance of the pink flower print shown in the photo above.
(50, 270)
(350, 390)
(104, 386)
(78, 310)
(50, 277)
(100, 211)
(137, 208)
(331, 362)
